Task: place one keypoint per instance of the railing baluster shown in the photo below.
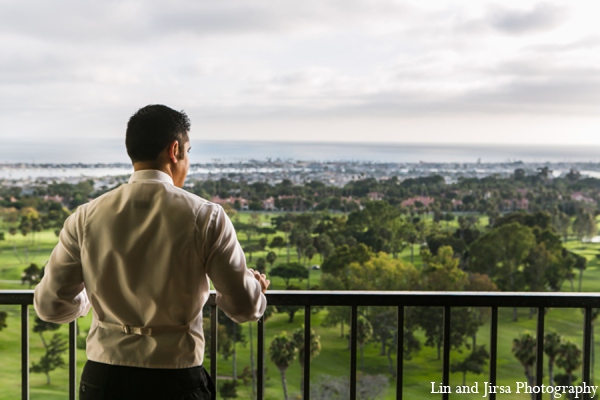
(400, 353)
(73, 360)
(214, 329)
(307, 343)
(493, 349)
(446, 366)
(587, 348)
(260, 365)
(539, 374)
(353, 337)
(24, 352)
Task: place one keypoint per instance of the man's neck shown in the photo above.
(144, 165)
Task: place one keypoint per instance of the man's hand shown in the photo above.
(262, 279)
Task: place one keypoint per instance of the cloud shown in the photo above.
(131, 21)
(272, 60)
(542, 17)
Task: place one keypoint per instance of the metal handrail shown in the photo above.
(307, 299)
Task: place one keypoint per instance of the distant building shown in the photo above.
(346, 201)
(425, 200)
(579, 196)
(269, 204)
(457, 204)
(375, 196)
(243, 203)
(56, 198)
(515, 204)
(287, 203)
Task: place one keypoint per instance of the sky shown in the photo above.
(485, 72)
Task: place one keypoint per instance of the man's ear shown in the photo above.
(173, 151)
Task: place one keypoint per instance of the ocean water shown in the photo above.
(396, 152)
(111, 151)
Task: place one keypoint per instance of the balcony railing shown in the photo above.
(308, 299)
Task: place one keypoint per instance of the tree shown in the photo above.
(40, 327)
(336, 315)
(290, 271)
(266, 230)
(474, 362)
(544, 173)
(309, 252)
(224, 342)
(410, 234)
(301, 239)
(580, 264)
(501, 254)
(573, 175)
(569, 359)
(562, 222)
(262, 243)
(271, 257)
(343, 256)
(277, 243)
(52, 359)
(443, 274)
(252, 248)
(480, 283)
(31, 275)
(261, 265)
(315, 349)
(282, 352)
(228, 390)
(287, 227)
(552, 348)
(324, 245)
(378, 272)
(584, 225)
(227, 343)
(524, 349)
(248, 229)
(290, 310)
(3, 317)
(385, 330)
(363, 334)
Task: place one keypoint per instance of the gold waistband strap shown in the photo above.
(142, 330)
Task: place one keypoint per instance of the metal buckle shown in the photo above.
(127, 329)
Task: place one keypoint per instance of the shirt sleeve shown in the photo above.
(239, 294)
(60, 297)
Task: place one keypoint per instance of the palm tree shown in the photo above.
(315, 349)
(3, 316)
(287, 227)
(584, 225)
(309, 253)
(271, 257)
(524, 349)
(569, 359)
(552, 345)
(474, 362)
(363, 334)
(282, 352)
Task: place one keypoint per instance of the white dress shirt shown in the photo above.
(143, 254)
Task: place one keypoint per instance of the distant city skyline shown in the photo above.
(458, 71)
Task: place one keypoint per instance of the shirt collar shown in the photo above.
(150, 175)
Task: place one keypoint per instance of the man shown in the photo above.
(143, 255)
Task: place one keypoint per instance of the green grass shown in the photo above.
(334, 359)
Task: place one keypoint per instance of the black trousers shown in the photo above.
(116, 382)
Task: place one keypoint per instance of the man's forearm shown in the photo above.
(51, 307)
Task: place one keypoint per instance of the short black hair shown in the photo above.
(152, 128)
